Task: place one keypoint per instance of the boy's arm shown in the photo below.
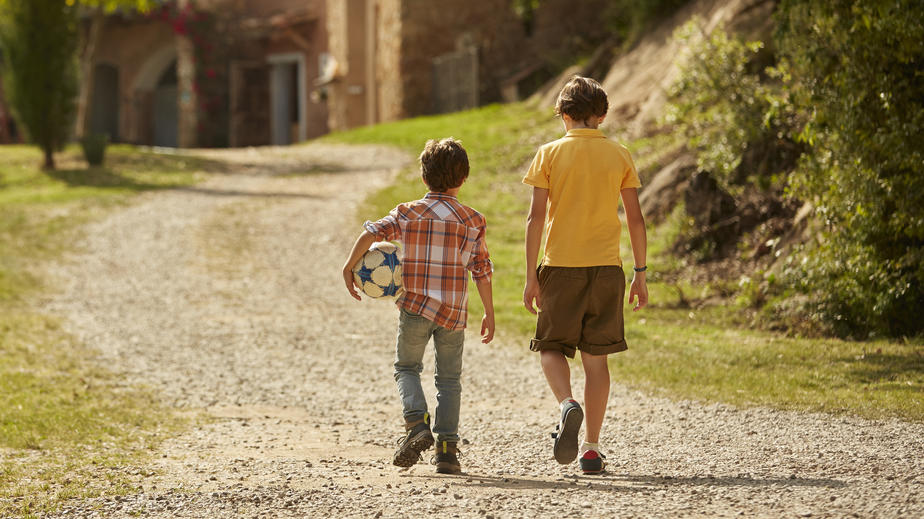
(639, 239)
(535, 221)
(365, 240)
(487, 300)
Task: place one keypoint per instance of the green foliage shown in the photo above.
(857, 73)
(718, 103)
(111, 5)
(94, 148)
(39, 38)
(849, 86)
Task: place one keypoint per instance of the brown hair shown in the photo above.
(582, 98)
(443, 164)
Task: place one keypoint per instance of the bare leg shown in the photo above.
(557, 372)
(596, 393)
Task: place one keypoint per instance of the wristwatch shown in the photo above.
(643, 268)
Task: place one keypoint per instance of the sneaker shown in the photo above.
(592, 462)
(418, 439)
(447, 458)
(566, 432)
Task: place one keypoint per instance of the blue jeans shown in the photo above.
(414, 332)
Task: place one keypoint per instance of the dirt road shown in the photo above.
(227, 297)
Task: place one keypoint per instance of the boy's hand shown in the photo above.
(487, 328)
(350, 283)
(530, 294)
(638, 289)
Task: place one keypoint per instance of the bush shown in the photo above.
(722, 106)
(855, 72)
(94, 148)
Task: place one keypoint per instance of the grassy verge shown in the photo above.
(693, 341)
(67, 426)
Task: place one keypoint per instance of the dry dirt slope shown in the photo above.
(636, 81)
(227, 297)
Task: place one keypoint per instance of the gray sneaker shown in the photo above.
(417, 439)
(566, 432)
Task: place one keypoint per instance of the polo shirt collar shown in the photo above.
(584, 132)
(440, 196)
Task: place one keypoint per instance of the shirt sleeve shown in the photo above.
(480, 264)
(386, 229)
(630, 178)
(538, 174)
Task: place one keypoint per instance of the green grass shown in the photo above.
(693, 341)
(67, 426)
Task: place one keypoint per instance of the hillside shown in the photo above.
(637, 79)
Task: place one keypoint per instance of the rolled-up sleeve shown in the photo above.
(480, 264)
(387, 228)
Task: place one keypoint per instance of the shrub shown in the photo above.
(719, 103)
(94, 148)
(855, 72)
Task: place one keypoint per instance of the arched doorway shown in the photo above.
(150, 124)
(165, 115)
(104, 113)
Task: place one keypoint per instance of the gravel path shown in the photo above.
(227, 296)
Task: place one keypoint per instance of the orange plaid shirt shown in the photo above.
(442, 240)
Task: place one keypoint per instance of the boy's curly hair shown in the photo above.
(582, 98)
(443, 164)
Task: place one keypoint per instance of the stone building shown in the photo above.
(256, 61)
(392, 59)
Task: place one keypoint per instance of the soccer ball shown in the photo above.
(378, 272)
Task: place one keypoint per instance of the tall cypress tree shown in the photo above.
(39, 38)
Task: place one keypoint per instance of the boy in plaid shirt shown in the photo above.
(442, 239)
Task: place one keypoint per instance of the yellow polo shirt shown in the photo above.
(584, 173)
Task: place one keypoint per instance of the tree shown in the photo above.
(856, 70)
(38, 39)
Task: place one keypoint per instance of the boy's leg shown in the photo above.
(448, 345)
(596, 393)
(557, 373)
(603, 334)
(558, 331)
(413, 335)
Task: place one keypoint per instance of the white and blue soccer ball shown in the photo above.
(378, 272)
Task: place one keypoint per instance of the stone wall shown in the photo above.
(388, 63)
(409, 34)
(430, 29)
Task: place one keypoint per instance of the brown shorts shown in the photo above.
(581, 310)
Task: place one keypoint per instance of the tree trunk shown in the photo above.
(49, 158)
(186, 79)
(87, 58)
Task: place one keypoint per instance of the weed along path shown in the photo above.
(226, 300)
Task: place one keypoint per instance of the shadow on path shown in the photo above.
(236, 192)
(610, 482)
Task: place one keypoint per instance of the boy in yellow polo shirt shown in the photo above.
(579, 286)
